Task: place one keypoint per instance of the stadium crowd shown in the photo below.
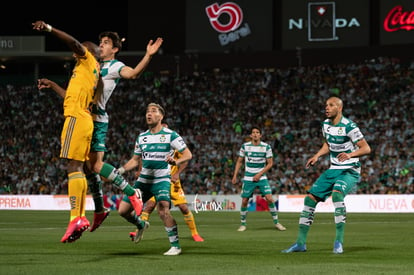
(214, 111)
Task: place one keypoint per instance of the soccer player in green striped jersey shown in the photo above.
(344, 143)
(154, 151)
(258, 159)
(112, 71)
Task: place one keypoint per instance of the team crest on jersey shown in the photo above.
(163, 138)
(340, 131)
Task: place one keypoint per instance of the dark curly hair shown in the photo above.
(114, 36)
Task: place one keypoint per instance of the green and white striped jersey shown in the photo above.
(153, 149)
(342, 138)
(110, 73)
(255, 157)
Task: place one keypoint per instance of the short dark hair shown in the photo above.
(255, 127)
(114, 36)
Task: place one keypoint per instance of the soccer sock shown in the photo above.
(273, 212)
(83, 199)
(145, 216)
(134, 220)
(77, 187)
(109, 172)
(189, 220)
(340, 215)
(95, 187)
(306, 219)
(243, 215)
(172, 233)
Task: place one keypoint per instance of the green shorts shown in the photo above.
(249, 187)
(334, 179)
(100, 129)
(160, 190)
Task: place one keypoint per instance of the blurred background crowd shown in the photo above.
(213, 111)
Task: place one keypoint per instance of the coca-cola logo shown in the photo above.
(232, 10)
(397, 19)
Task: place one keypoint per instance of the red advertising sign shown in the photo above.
(397, 22)
(225, 26)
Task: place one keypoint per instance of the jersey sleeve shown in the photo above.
(269, 152)
(354, 133)
(137, 148)
(242, 151)
(177, 142)
(114, 71)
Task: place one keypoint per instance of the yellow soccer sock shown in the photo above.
(77, 187)
(189, 220)
(145, 216)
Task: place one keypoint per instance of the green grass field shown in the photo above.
(374, 244)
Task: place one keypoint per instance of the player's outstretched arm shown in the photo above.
(69, 40)
(152, 47)
(44, 83)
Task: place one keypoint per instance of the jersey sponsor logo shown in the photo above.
(153, 156)
(254, 160)
(157, 147)
(338, 147)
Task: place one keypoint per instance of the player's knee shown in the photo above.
(184, 209)
(337, 196)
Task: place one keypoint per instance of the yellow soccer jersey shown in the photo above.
(174, 168)
(82, 86)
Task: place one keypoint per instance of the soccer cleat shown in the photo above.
(139, 234)
(338, 249)
(280, 227)
(83, 226)
(173, 251)
(71, 228)
(75, 229)
(295, 248)
(242, 228)
(98, 219)
(136, 201)
(133, 234)
(198, 238)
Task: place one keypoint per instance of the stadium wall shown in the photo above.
(200, 203)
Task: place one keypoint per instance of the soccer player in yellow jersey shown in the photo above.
(78, 126)
(112, 71)
(178, 199)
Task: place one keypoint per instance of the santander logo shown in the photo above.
(397, 19)
(232, 29)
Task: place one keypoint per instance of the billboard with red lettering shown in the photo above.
(229, 26)
(396, 22)
(325, 24)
